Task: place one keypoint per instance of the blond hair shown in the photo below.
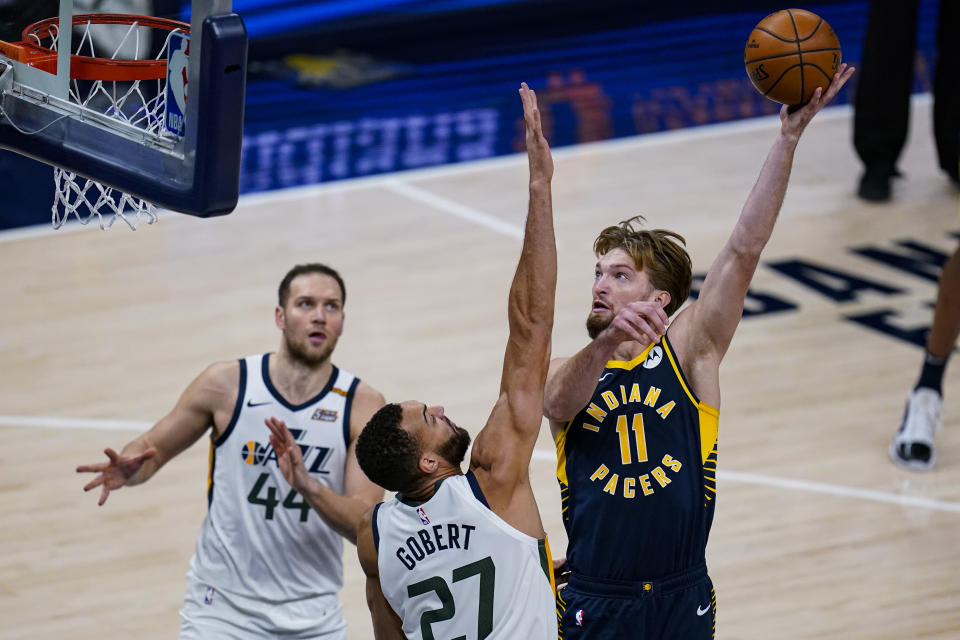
(660, 252)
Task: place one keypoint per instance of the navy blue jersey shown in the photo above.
(637, 472)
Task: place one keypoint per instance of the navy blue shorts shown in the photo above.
(678, 606)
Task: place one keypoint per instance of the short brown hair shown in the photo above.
(662, 253)
(283, 292)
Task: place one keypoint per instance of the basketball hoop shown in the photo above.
(113, 68)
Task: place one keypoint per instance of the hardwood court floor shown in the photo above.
(817, 534)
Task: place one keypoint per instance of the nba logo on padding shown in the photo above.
(175, 102)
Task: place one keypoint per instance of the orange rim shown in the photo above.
(90, 67)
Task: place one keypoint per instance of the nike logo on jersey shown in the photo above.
(700, 611)
(604, 376)
(251, 403)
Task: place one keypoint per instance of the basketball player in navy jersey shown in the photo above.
(268, 558)
(634, 416)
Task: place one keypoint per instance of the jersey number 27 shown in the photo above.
(487, 572)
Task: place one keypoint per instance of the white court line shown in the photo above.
(656, 139)
(544, 455)
(745, 477)
(455, 208)
(52, 422)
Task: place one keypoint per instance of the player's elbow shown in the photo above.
(744, 250)
(556, 405)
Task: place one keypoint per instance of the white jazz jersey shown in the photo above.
(452, 568)
(261, 540)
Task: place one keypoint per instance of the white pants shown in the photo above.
(211, 614)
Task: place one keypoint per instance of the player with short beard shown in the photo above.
(465, 555)
(634, 416)
(268, 557)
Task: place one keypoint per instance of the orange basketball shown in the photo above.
(789, 54)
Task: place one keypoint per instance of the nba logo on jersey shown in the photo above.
(579, 617)
(423, 516)
(175, 101)
(208, 598)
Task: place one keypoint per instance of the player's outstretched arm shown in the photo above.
(503, 448)
(386, 623)
(341, 512)
(213, 391)
(712, 321)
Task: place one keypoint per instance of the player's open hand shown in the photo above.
(538, 151)
(793, 120)
(114, 473)
(643, 322)
(289, 456)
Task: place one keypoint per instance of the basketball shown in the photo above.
(789, 54)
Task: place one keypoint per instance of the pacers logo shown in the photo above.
(254, 453)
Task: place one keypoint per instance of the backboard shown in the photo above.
(175, 143)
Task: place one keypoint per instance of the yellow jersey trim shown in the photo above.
(559, 442)
(709, 415)
(549, 564)
(632, 364)
(210, 465)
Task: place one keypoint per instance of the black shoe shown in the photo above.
(875, 185)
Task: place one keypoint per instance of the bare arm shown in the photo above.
(208, 401)
(571, 381)
(386, 623)
(505, 444)
(341, 512)
(708, 327)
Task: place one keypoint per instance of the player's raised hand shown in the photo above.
(642, 321)
(114, 473)
(794, 120)
(289, 456)
(538, 151)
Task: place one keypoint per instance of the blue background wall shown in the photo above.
(352, 88)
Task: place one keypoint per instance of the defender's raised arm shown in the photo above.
(511, 431)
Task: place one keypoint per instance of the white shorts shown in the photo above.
(211, 614)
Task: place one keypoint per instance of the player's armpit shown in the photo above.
(503, 448)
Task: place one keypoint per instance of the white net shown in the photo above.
(85, 199)
(138, 103)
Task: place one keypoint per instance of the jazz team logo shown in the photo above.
(315, 457)
(175, 101)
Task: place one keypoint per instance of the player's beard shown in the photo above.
(455, 449)
(301, 353)
(597, 323)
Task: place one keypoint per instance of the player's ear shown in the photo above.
(429, 463)
(663, 298)
(278, 317)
